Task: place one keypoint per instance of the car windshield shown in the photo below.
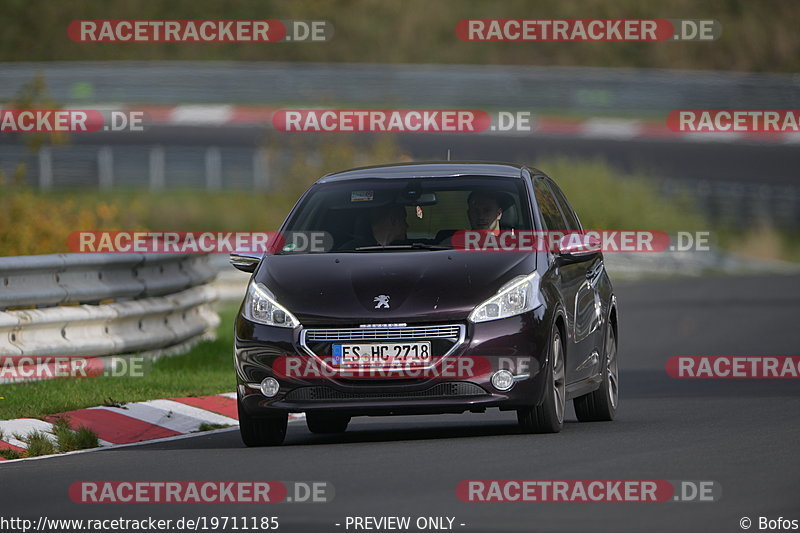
(418, 214)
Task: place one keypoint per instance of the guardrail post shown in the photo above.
(157, 167)
(105, 167)
(261, 179)
(45, 168)
(213, 168)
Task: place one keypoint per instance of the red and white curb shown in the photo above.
(592, 128)
(133, 422)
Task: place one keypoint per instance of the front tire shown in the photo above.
(549, 416)
(262, 431)
(601, 405)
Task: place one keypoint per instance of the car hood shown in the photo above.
(417, 286)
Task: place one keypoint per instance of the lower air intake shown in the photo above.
(440, 391)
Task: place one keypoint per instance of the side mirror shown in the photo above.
(578, 246)
(245, 261)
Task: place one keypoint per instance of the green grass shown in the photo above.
(607, 199)
(7, 453)
(69, 440)
(210, 427)
(39, 444)
(10, 454)
(206, 369)
(35, 222)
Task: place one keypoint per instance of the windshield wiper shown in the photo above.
(412, 246)
(426, 246)
(379, 247)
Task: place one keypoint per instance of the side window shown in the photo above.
(548, 206)
(573, 224)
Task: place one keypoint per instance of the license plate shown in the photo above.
(381, 355)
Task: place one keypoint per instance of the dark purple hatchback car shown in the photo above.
(389, 313)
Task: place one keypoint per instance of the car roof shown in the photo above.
(434, 169)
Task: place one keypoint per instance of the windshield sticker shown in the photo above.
(419, 212)
(361, 196)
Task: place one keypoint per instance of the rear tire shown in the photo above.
(326, 423)
(549, 416)
(601, 405)
(262, 431)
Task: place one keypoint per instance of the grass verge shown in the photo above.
(69, 440)
(10, 454)
(61, 439)
(210, 427)
(39, 443)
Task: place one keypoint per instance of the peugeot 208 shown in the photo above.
(409, 301)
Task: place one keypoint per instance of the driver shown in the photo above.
(387, 225)
(483, 211)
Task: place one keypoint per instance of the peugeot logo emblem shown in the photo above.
(381, 301)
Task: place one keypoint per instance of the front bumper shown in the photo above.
(518, 344)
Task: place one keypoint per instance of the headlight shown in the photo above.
(519, 295)
(260, 306)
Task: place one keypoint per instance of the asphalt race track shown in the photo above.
(742, 434)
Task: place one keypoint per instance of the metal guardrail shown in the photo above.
(115, 304)
(632, 266)
(48, 280)
(740, 205)
(523, 87)
(153, 166)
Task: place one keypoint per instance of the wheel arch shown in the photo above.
(560, 322)
(612, 318)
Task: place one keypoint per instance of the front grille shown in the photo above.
(440, 391)
(449, 331)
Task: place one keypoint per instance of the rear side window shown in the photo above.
(548, 206)
(573, 224)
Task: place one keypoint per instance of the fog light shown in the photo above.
(270, 387)
(502, 380)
